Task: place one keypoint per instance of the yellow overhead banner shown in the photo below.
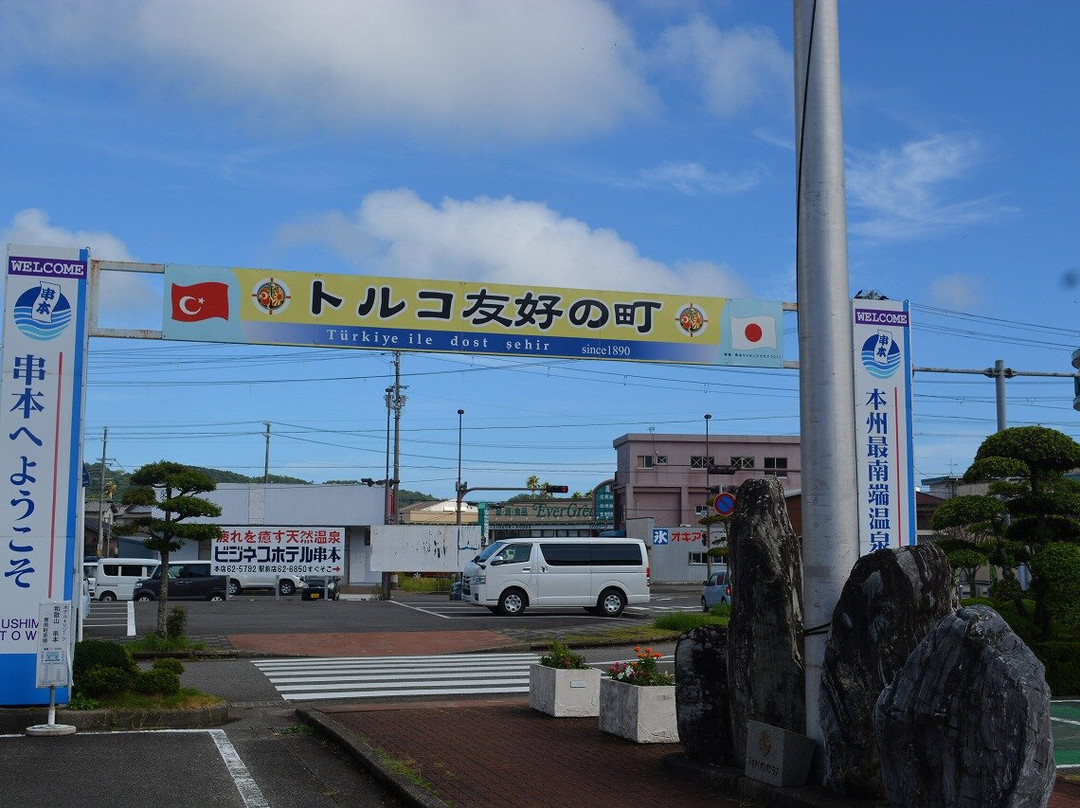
(216, 304)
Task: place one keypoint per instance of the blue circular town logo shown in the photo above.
(881, 355)
(42, 312)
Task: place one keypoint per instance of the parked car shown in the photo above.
(321, 587)
(188, 580)
(716, 590)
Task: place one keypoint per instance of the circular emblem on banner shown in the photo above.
(42, 312)
(271, 296)
(691, 320)
(881, 355)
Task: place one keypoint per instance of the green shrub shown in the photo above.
(157, 680)
(102, 681)
(79, 701)
(562, 657)
(1062, 661)
(100, 653)
(176, 623)
(169, 664)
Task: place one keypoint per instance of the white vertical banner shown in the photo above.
(42, 390)
(54, 644)
(883, 434)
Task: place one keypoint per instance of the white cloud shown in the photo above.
(693, 178)
(739, 68)
(964, 292)
(899, 191)
(126, 298)
(32, 226)
(523, 68)
(395, 233)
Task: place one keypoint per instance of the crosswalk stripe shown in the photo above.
(390, 677)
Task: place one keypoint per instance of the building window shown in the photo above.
(701, 462)
(644, 461)
(697, 559)
(777, 466)
(742, 463)
(661, 460)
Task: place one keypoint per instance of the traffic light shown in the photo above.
(556, 489)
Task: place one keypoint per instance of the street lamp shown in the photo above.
(708, 527)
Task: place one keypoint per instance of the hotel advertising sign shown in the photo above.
(278, 550)
(883, 433)
(258, 306)
(42, 386)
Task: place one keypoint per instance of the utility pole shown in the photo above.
(266, 461)
(101, 497)
(826, 376)
(399, 402)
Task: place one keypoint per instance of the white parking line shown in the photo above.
(418, 609)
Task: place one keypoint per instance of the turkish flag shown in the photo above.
(200, 301)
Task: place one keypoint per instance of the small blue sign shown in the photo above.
(660, 535)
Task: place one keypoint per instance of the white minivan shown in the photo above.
(114, 578)
(603, 575)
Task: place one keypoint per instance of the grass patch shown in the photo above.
(406, 768)
(187, 699)
(687, 621)
(407, 583)
(156, 644)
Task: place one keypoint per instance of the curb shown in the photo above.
(15, 721)
(367, 756)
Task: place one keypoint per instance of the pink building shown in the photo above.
(666, 477)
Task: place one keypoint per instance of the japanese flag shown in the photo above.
(748, 333)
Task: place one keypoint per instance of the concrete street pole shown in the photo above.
(826, 383)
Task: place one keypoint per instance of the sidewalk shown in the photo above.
(490, 754)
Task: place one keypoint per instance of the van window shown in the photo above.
(516, 553)
(489, 551)
(126, 570)
(614, 554)
(566, 555)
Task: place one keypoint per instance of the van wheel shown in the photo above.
(234, 587)
(512, 603)
(612, 602)
(108, 597)
(287, 587)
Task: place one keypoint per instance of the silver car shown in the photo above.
(716, 590)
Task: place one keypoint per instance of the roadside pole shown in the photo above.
(826, 381)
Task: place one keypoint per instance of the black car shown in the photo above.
(321, 587)
(188, 580)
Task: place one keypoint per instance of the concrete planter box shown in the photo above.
(639, 714)
(563, 693)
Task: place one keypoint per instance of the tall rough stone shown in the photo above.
(701, 695)
(966, 721)
(891, 600)
(765, 662)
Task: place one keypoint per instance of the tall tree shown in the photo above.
(171, 488)
(1026, 467)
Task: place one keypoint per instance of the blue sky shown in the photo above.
(623, 145)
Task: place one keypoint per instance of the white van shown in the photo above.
(114, 578)
(603, 575)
